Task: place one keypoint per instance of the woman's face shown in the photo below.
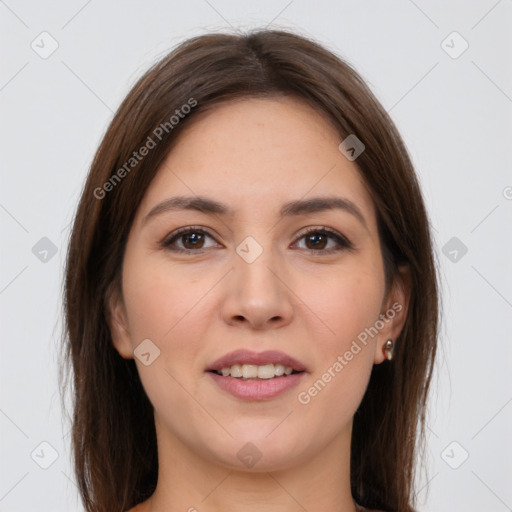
(252, 279)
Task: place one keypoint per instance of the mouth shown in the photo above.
(250, 365)
(256, 372)
(256, 376)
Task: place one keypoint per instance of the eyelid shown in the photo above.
(182, 231)
(343, 242)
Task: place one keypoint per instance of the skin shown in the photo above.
(254, 155)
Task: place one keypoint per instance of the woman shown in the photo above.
(251, 297)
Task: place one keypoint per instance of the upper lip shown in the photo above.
(257, 358)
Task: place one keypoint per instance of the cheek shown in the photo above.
(348, 306)
(167, 305)
(348, 303)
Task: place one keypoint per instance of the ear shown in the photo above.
(115, 313)
(394, 311)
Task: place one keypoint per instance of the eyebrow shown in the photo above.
(293, 208)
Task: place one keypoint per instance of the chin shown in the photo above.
(261, 451)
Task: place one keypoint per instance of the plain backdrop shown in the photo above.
(443, 71)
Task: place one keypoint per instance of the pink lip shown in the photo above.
(256, 389)
(257, 358)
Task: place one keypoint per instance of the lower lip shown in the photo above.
(257, 389)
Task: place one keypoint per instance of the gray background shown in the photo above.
(453, 108)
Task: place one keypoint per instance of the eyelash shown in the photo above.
(344, 243)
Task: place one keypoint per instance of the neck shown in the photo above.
(189, 481)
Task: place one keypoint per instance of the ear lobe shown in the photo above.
(394, 311)
(115, 314)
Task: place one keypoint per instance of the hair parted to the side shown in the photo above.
(113, 434)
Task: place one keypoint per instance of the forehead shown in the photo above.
(257, 154)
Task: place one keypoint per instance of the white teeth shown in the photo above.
(251, 371)
(266, 371)
(279, 370)
(235, 370)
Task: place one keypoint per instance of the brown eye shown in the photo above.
(187, 240)
(193, 240)
(318, 239)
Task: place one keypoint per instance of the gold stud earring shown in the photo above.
(388, 349)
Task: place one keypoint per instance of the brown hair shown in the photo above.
(113, 434)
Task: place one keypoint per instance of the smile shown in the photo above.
(252, 371)
(253, 375)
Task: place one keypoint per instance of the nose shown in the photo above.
(257, 294)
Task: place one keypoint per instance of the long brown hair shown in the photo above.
(113, 434)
